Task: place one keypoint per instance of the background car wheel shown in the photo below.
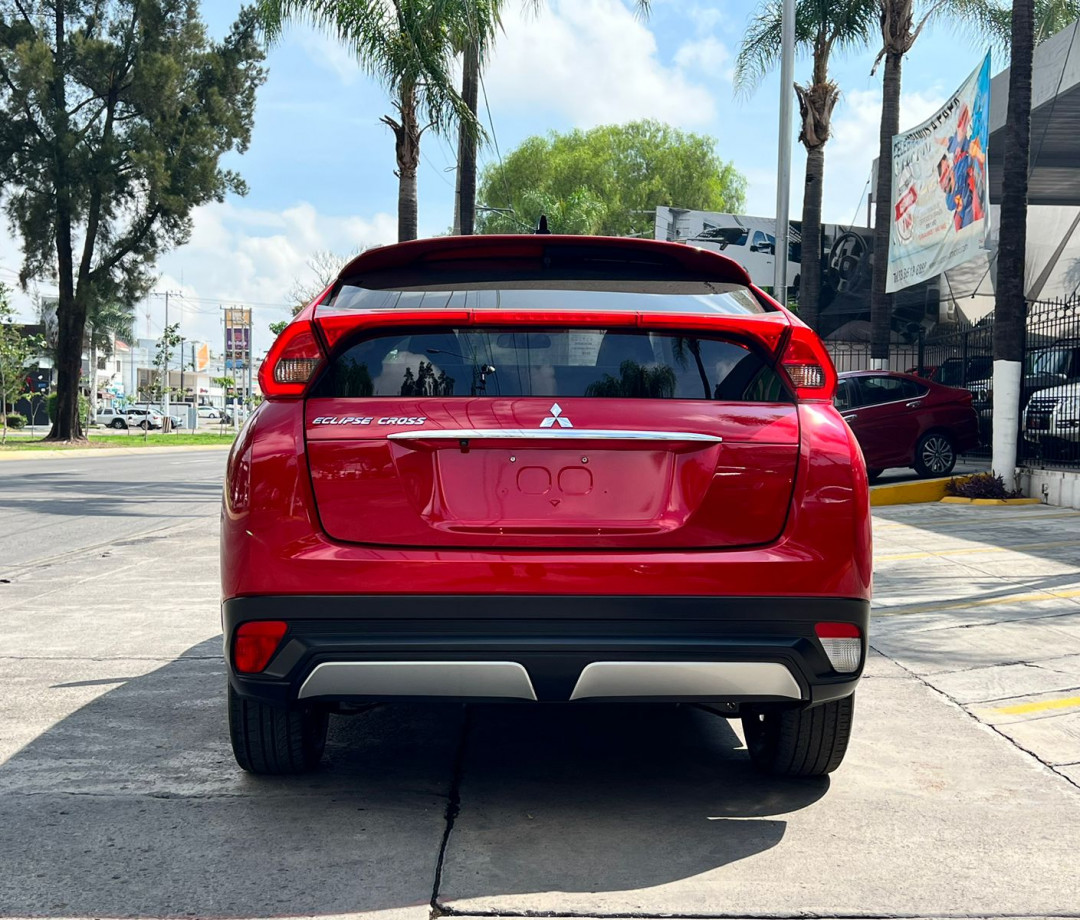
(117, 423)
(272, 740)
(800, 742)
(144, 425)
(874, 475)
(934, 454)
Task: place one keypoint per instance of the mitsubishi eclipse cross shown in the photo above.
(546, 469)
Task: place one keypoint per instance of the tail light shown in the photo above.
(292, 362)
(808, 366)
(255, 644)
(842, 643)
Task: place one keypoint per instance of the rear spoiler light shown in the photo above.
(300, 353)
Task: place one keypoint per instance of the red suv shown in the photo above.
(545, 468)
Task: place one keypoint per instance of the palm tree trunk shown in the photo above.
(470, 81)
(1010, 306)
(407, 139)
(810, 268)
(880, 302)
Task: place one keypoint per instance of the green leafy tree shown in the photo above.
(606, 180)
(113, 117)
(409, 46)
(821, 27)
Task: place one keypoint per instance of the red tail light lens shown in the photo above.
(292, 363)
(256, 643)
(808, 366)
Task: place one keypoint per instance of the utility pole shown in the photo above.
(783, 165)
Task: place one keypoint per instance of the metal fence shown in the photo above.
(1050, 394)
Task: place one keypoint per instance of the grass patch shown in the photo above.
(981, 485)
(98, 441)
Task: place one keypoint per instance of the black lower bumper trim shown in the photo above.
(554, 638)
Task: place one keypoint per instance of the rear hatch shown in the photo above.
(556, 436)
(499, 411)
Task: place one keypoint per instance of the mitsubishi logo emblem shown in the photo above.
(556, 416)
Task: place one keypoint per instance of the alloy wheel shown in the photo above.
(937, 454)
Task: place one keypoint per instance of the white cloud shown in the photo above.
(853, 147)
(329, 53)
(706, 58)
(240, 255)
(593, 62)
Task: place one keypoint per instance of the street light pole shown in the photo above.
(783, 163)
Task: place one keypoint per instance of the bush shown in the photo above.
(981, 485)
(14, 420)
(84, 407)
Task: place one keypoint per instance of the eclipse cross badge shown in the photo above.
(556, 416)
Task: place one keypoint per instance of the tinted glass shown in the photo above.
(875, 390)
(843, 399)
(551, 362)
(646, 296)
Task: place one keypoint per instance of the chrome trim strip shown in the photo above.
(548, 434)
(502, 679)
(686, 678)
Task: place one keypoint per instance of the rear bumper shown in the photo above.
(724, 650)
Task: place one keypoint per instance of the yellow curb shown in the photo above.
(909, 493)
(957, 500)
(48, 454)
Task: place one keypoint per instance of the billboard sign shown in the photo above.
(940, 194)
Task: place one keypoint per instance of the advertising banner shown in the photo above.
(940, 193)
(237, 338)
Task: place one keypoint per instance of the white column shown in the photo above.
(1008, 376)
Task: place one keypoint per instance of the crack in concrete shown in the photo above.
(1049, 766)
(453, 809)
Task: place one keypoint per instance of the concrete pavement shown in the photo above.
(119, 795)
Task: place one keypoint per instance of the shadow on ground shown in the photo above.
(133, 806)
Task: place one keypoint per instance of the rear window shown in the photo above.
(496, 362)
(704, 297)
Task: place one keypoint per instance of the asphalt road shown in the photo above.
(53, 506)
(119, 795)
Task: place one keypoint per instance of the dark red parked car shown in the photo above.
(544, 468)
(904, 420)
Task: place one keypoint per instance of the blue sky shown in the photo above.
(320, 165)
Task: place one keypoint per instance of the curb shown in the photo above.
(48, 454)
(957, 500)
(909, 493)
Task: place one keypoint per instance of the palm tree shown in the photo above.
(475, 44)
(409, 46)
(821, 26)
(1010, 307)
(993, 19)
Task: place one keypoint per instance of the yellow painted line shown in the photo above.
(958, 500)
(908, 493)
(945, 554)
(986, 602)
(1023, 708)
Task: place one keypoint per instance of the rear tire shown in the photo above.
(274, 741)
(118, 424)
(800, 742)
(934, 455)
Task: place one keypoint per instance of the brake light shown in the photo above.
(255, 644)
(292, 363)
(808, 366)
(842, 643)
